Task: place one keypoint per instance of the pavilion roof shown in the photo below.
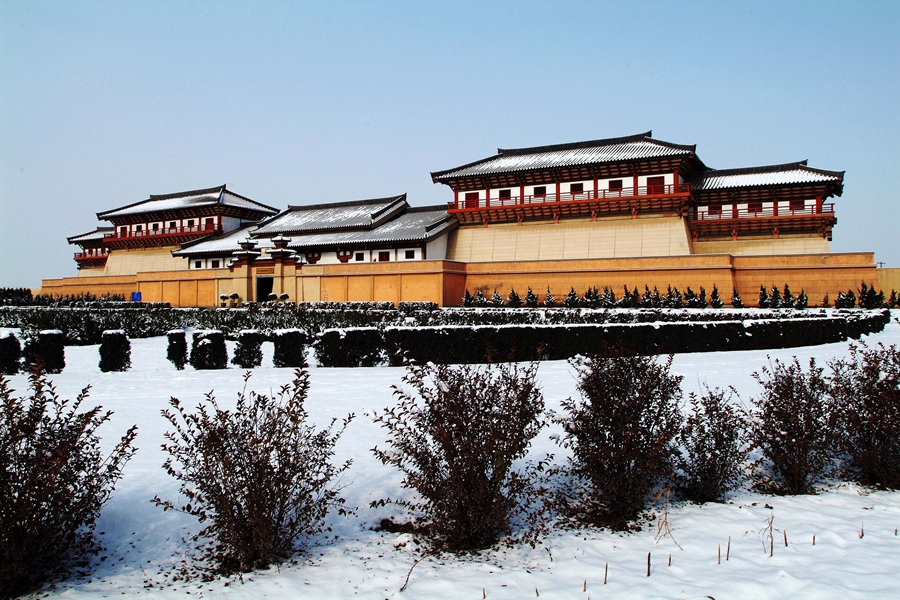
(91, 236)
(622, 149)
(336, 216)
(412, 225)
(771, 175)
(209, 197)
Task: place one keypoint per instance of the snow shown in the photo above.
(142, 541)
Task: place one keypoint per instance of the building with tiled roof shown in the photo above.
(627, 211)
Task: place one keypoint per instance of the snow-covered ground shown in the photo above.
(143, 543)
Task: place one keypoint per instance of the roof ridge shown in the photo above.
(572, 145)
(391, 199)
(218, 188)
(429, 208)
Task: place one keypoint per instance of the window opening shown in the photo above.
(410, 254)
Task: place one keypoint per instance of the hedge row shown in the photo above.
(83, 326)
(396, 345)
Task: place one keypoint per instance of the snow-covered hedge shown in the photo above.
(466, 344)
(85, 326)
(115, 351)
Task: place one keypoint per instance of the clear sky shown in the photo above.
(104, 103)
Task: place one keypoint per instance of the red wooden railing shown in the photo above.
(145, 233)
(681, 189)
(732, 211)
(92, 253)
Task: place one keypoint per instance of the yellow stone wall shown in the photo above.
(445, 282)
(130, 261)
(570, 239)
(813, 244)
(888, 279)
(816, 274)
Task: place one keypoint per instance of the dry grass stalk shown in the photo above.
(862, 532)
(719, 554)
(728, 549)
(648, 564)
(605, 572)
(785, 538)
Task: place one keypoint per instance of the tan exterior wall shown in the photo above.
(747, 247)
(130, 261)
(816, 274)
(616, 273)
(445, 282)
(97, 285)
(888, 279)
(604, 238)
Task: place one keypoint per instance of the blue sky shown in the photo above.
(105, 103)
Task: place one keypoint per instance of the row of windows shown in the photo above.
(383, 256)
(655, 185)
(208, 223)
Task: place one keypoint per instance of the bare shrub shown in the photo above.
(792, 428)
(866, 388)
(260, 474)
(53, 482)
(713, 446)
(622, 433)
(455, 434)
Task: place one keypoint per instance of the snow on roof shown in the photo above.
(420, 224)
(220, 245)
(193, 199)
(790, 173)
(91, 236)
(360, 214)
(634, 147)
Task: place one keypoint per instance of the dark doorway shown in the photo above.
(263, 288)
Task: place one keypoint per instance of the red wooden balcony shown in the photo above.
(161, 236)
(92, 257)
(622, 200)
(92, 253)
(730, 219)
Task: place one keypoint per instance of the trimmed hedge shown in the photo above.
(208, 350)
(456, 344)
(367, 348)
(115, 351)
(248, 352)
(177, 351)
(290, 348)
(85, 326)
(46, 349)
(10, 353)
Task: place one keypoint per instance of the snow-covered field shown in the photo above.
(142, 542)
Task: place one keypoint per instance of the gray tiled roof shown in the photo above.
(413, 225)
(222, 244)
(635, 147)
(193, 199)
(91, 236)
(337, 216)
(786, 174)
